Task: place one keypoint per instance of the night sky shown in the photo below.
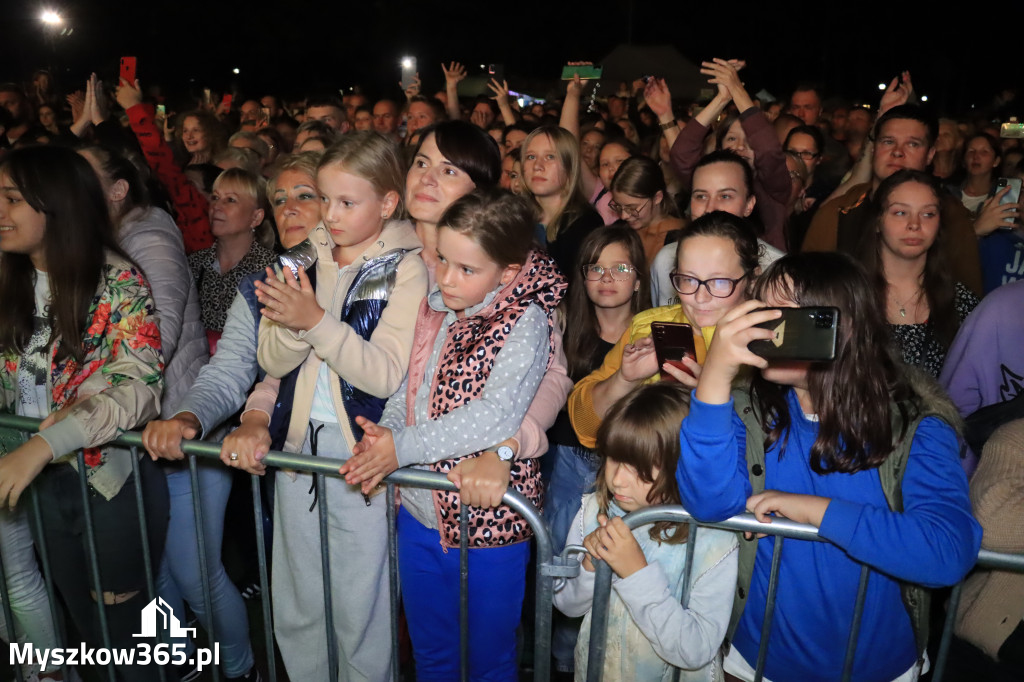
(300, 46)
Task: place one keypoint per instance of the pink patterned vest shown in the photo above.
(467, 356)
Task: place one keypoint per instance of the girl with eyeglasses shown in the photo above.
(641, 200)
(605, 292)
(717, 258)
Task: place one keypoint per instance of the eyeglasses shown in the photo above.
(805, 155)
(619, 271)
(619, 209)
(719, 287)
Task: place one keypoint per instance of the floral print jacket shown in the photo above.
(115, 388)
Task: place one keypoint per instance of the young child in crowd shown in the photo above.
(851, 446)
(649, 631)
(483, 340)
(342, 346)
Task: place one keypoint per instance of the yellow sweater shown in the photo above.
(581, 404)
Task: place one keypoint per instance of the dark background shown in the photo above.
(298, 46)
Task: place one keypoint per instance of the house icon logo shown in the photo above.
(158, 616)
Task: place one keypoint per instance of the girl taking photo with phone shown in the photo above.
(854, 447)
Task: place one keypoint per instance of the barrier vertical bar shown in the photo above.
(204, 561)
(688, 565)
(543, 601)
(464, 592)
(947, 632)
(769, 609)
(599, 619)
(147, 555)
(858, 612)
(94, 564)
(261, 560)
(325, 564)
(389, 491)
(51, 592)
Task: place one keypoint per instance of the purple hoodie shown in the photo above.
(985, 363)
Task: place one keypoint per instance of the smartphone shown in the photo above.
(226, 100)
(673, 341)
(1012, 197)
(586, 71)
(1012, 129)
(800, 334)
(497, 72)
(161, 111)
(128, 69)
(264, 119)
(207, 96)
(408, 72)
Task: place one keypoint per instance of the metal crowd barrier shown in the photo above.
(783, 529)
(548, 567)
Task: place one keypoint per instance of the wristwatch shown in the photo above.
(505, 453)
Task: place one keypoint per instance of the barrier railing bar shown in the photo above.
(389, 491)
(947, 633)
(147, 556)
(464, 592)
(325, 566)
(858, 612)
(204, 561)
(90, 538)
(688, 566)
(261, 559)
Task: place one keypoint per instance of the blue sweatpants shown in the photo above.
(430, 592)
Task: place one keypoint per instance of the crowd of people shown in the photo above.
(469, 286)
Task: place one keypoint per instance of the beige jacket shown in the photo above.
(376, 366)
(992, 602)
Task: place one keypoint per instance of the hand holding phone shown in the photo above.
(807, 334)
(672, 342)
(128, 65)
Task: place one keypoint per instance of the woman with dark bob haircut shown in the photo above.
(81, 349)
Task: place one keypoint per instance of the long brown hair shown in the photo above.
(61, 184)
(582, 331)
(642, 430)
(937, 283)
(853, 393)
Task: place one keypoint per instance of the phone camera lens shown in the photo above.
(824, 319)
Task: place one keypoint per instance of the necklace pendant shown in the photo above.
(903, 312)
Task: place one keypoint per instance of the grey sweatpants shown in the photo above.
(357, 546)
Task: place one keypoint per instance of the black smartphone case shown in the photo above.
(800, 334)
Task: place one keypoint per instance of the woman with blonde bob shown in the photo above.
(552, 181)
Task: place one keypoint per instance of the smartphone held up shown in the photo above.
(807, 334)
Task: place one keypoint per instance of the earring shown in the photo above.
(636, 286)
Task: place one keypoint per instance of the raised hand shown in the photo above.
(725, 74)
(414, 88)
(96, 100)
(500, 90)
(728, 351)
(658, 98)
(453, 73)
(899, 92)
(994, 215)
(290, 303)
(639, 360)
(128, 94)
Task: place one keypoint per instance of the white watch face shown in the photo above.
(505, 453)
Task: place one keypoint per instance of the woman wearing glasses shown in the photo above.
(716, 260)
(640, 199)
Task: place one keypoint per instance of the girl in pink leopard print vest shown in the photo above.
(483, 339)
